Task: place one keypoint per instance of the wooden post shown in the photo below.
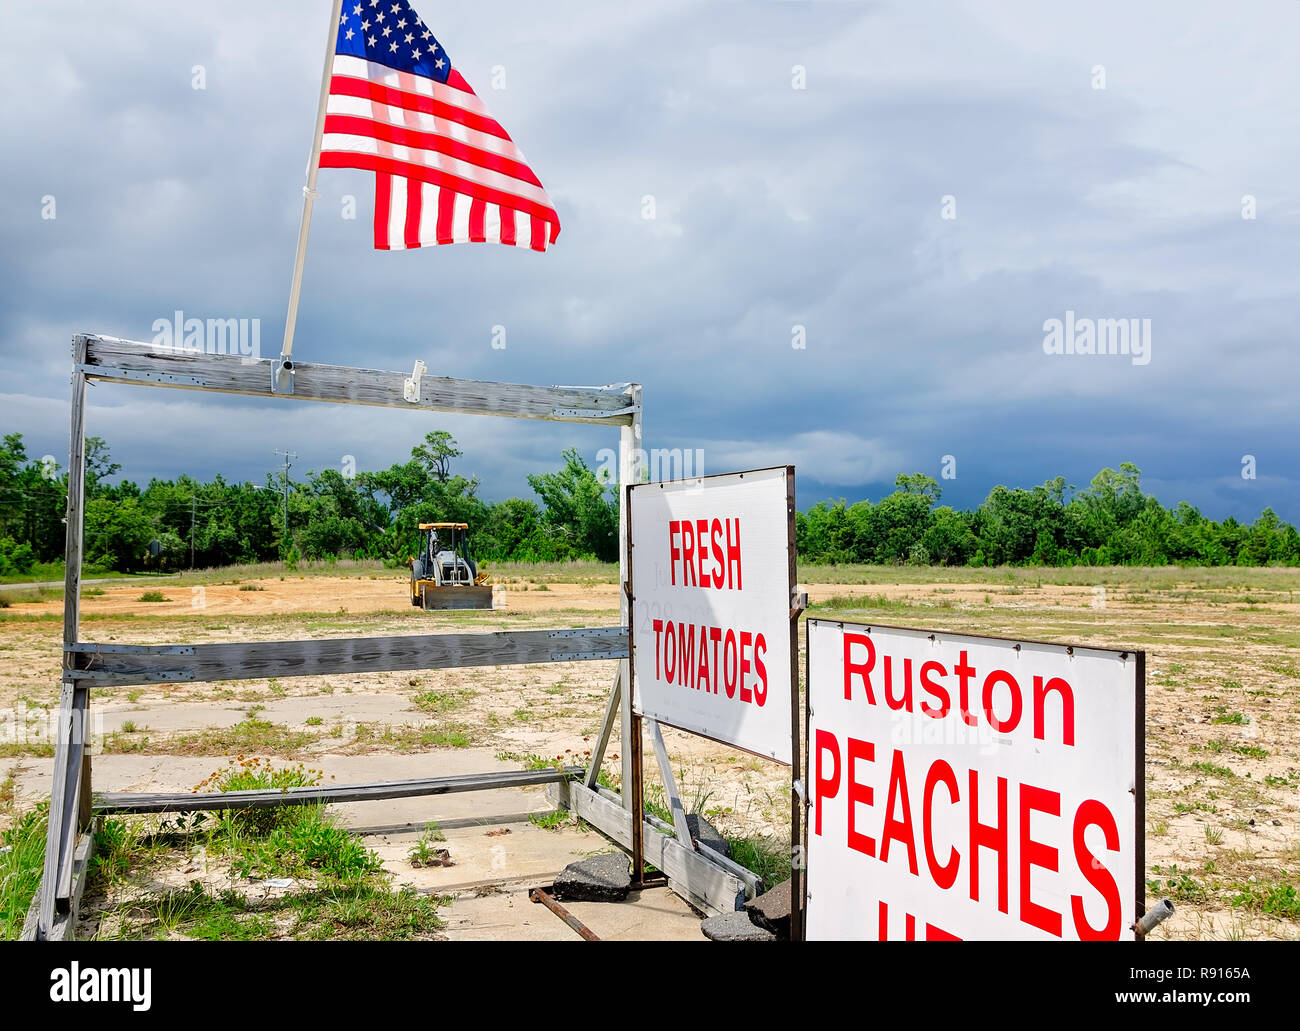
(631, 457)
(69, 753)
(797, 788)
(637, 792)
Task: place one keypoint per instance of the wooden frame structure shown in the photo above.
(709, 880)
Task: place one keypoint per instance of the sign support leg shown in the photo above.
(670, 786)
(597, 759)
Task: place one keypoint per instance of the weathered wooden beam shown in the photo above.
(680, 826)
(695, 877)
(56, 880)
(64, 923)
(111, 665)
(129, 361)
(606, 728)
(631, 469)
(187, 801)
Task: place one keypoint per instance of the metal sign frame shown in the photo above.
(1139, 731)
(680, 829)
(73, 811)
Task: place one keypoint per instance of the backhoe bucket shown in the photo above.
(460, 597)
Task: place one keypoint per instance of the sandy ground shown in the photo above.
(1223, 744)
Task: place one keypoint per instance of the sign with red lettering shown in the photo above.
(972, 787)
(712, 573)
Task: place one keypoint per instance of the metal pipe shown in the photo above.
(1154, 917)
(540, 895)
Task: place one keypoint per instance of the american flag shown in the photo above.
(445, 170)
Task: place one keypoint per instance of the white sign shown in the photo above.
(970, 787)
(712, 562)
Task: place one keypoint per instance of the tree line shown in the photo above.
(1109, 522)
(181, 523)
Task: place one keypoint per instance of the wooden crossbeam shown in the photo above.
(130, 361)
(187, 801)
(112, 665)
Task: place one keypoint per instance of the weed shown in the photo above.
(153, 596)
(551, 821)
(1277, 899)
(425, 852)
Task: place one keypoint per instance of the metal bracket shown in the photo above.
(160, 676)
(596, 631)
(91, 648)
(592, 413)
(411, 385)
(138, 376)
(282, 375)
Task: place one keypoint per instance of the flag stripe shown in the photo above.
(440, 104)
(424, 122)
(414, 200)
(399, 168)
(355, 152)
(539, 234)
(369, 128)
(477, 211)
(446, 208)
(507, 225)
(397, 212)
(383, 191)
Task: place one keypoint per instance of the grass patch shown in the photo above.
(1178, 885)
(408, 738)
(17, 749)
(153, 596)
(359, 909)
(251, 587)
(248, 736)
(766, 856)
(442, 701)
(530, 761)
(1279, 899)
(553, 820)
(20, 869)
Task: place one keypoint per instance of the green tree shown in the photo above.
(579, 507)
(436, 453)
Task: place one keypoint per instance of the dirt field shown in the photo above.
(1223, 741)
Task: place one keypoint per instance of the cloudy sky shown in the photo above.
(802, 158)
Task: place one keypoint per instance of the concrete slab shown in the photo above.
(652, 914)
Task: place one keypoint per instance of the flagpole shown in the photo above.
(282, 372)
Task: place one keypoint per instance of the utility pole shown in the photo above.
(191, 532)
(287, 465)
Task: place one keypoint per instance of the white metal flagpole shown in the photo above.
(282, 372)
